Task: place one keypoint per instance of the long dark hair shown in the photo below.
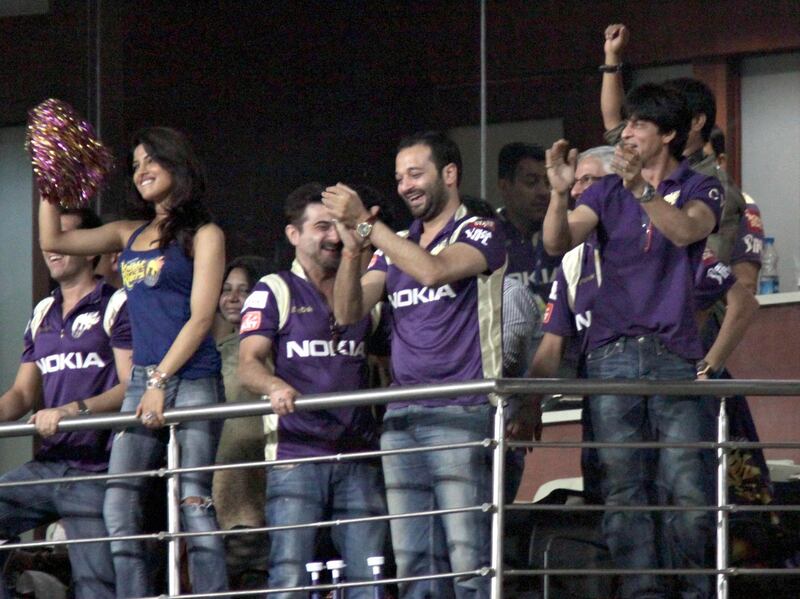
(186, 211)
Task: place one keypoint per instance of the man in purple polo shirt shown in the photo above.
(76, 344)
(525, 191)
(288, 322)
(444, 279)
(651, 222)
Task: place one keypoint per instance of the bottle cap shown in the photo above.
(335, 564)
(315, 567)
(375, 560)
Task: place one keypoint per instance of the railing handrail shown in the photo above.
(412, 393)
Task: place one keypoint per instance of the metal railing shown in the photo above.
(498, 444)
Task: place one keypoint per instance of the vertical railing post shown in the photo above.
(722, 501)
(173, 513)
(498, 498)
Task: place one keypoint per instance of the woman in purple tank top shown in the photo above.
(171, 264)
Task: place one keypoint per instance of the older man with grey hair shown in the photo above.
(593, 165)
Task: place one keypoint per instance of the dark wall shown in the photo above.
(275, 94)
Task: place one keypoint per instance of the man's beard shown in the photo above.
(437, 200)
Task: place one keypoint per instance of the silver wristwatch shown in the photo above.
(364, 229)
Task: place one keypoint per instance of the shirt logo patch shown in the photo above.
(321, 348)
(84, 322)
(478, 235)
(141, 270)
(250, 322)
(69, 361)
(718, 273)
(374, 260)
(548, 312)
(420, 295)
(672, 198)
(257, 299)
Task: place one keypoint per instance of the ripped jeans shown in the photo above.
(138, 448)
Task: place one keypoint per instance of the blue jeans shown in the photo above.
(79, 506)
(433, 480)
(630, 477)
(305, 493)
(139, 448)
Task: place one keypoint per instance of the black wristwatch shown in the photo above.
(83, 409)
(647, 195)
(703, 368)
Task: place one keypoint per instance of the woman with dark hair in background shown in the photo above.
(171, 264)
(239, 495)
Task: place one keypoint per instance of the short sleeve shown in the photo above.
(121, 329)
(378, 262)
(750, 238)
(712, 282)
(709, 191)
(485, 235)
(28, 349)
(558, 317)
(260, 314)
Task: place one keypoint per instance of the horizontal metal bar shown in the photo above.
(414, 393)
(483, 572)
(653, 444)
(545, 507)
(716, 388)
(652, 571)
(165, 536)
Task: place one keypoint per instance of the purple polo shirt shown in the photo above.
(313, 357)
(647, 280)
(750, 239)
(528, 262)
(450, 332)
(75, 358)
(569, 306)
(569, 309)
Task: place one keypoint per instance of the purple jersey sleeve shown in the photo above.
(121, 327)
(707, 190)
(486, 237)
(750, 239)
(712, 282)
(378, 262)
(260, 313)
(28, 348)
(558, 317)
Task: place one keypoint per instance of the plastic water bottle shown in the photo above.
(768, 282)
(376, 563)
(314, 568)
(336, 568)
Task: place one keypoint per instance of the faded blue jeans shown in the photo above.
(304, 493)
(79, 506)
(138, 448)
(628, 476)
(434, 480)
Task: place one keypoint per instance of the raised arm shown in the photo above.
(612, 92)
(455, 262)
(209, 264)
(354, 295)
(562, 230)
(111, 237)
(741, 309)
(256, 373)
(47, 420)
